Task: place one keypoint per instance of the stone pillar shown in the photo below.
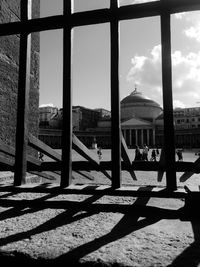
(130, 137)
(142, 137)
(125, 135)
(154, 137)
(136, 136)
(148, 137)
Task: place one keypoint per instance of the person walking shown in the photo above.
(179, 154)
(145, 152)
(41, 155)
(157, 151)
(138, 154)
(99, 152)
(153, 155)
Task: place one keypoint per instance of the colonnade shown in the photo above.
(139, 137)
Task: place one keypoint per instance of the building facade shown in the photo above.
(85, 125)
(141, 123)
(46, 114)
(138, 116)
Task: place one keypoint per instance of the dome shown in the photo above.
(140, 106)
(138, 97)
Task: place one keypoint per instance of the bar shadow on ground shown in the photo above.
(128, 224)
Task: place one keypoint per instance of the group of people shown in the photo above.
(143, 155)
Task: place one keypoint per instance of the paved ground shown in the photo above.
(104, 231)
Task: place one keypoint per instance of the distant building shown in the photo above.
(141, 123)
(85, 125)
(82, 118)
(187, 127)
(88, 118)
(139, 106)
(138, 117)
(187, 118)
(45, 115)
(104, 113)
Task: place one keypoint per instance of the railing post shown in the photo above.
(169, 143)
(66, 174)
(23, 98)
(115, 99)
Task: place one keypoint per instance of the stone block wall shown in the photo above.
(9, 66)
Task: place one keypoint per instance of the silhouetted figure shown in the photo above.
(145, 152)
(157, 152)
(99, 152)
(138, 155)
(179, 154)
(41, 155)
(153, 155)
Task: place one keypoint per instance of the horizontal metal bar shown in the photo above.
(98, 16)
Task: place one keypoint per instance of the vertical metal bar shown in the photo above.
(66, 174)
(115, 99)
(23, 98)
(169, 143)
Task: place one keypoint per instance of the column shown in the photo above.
(125, 135)
(147, 137)
(130, 139)
(136, 136)
(154, 137)
(142, 139)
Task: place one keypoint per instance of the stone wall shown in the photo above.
(9, 65)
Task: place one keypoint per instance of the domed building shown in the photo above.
(139, 118)
(138, 115)
(140, 106)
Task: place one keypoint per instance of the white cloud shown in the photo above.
(146, 72)
(193, 32)
(192, 24)
(47, 105)
(178, 104)
(180, 15)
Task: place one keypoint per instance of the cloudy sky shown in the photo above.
(140, 58)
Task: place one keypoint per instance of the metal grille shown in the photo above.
(67, 21)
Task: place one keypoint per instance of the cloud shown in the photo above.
(180, 15)
(146, 72)
(192, 24)
(193, 32)
(47, 105)
(143, 67)
(178, 104)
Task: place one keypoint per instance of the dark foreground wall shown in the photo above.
(9, 62)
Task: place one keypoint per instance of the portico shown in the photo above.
(138, 131)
